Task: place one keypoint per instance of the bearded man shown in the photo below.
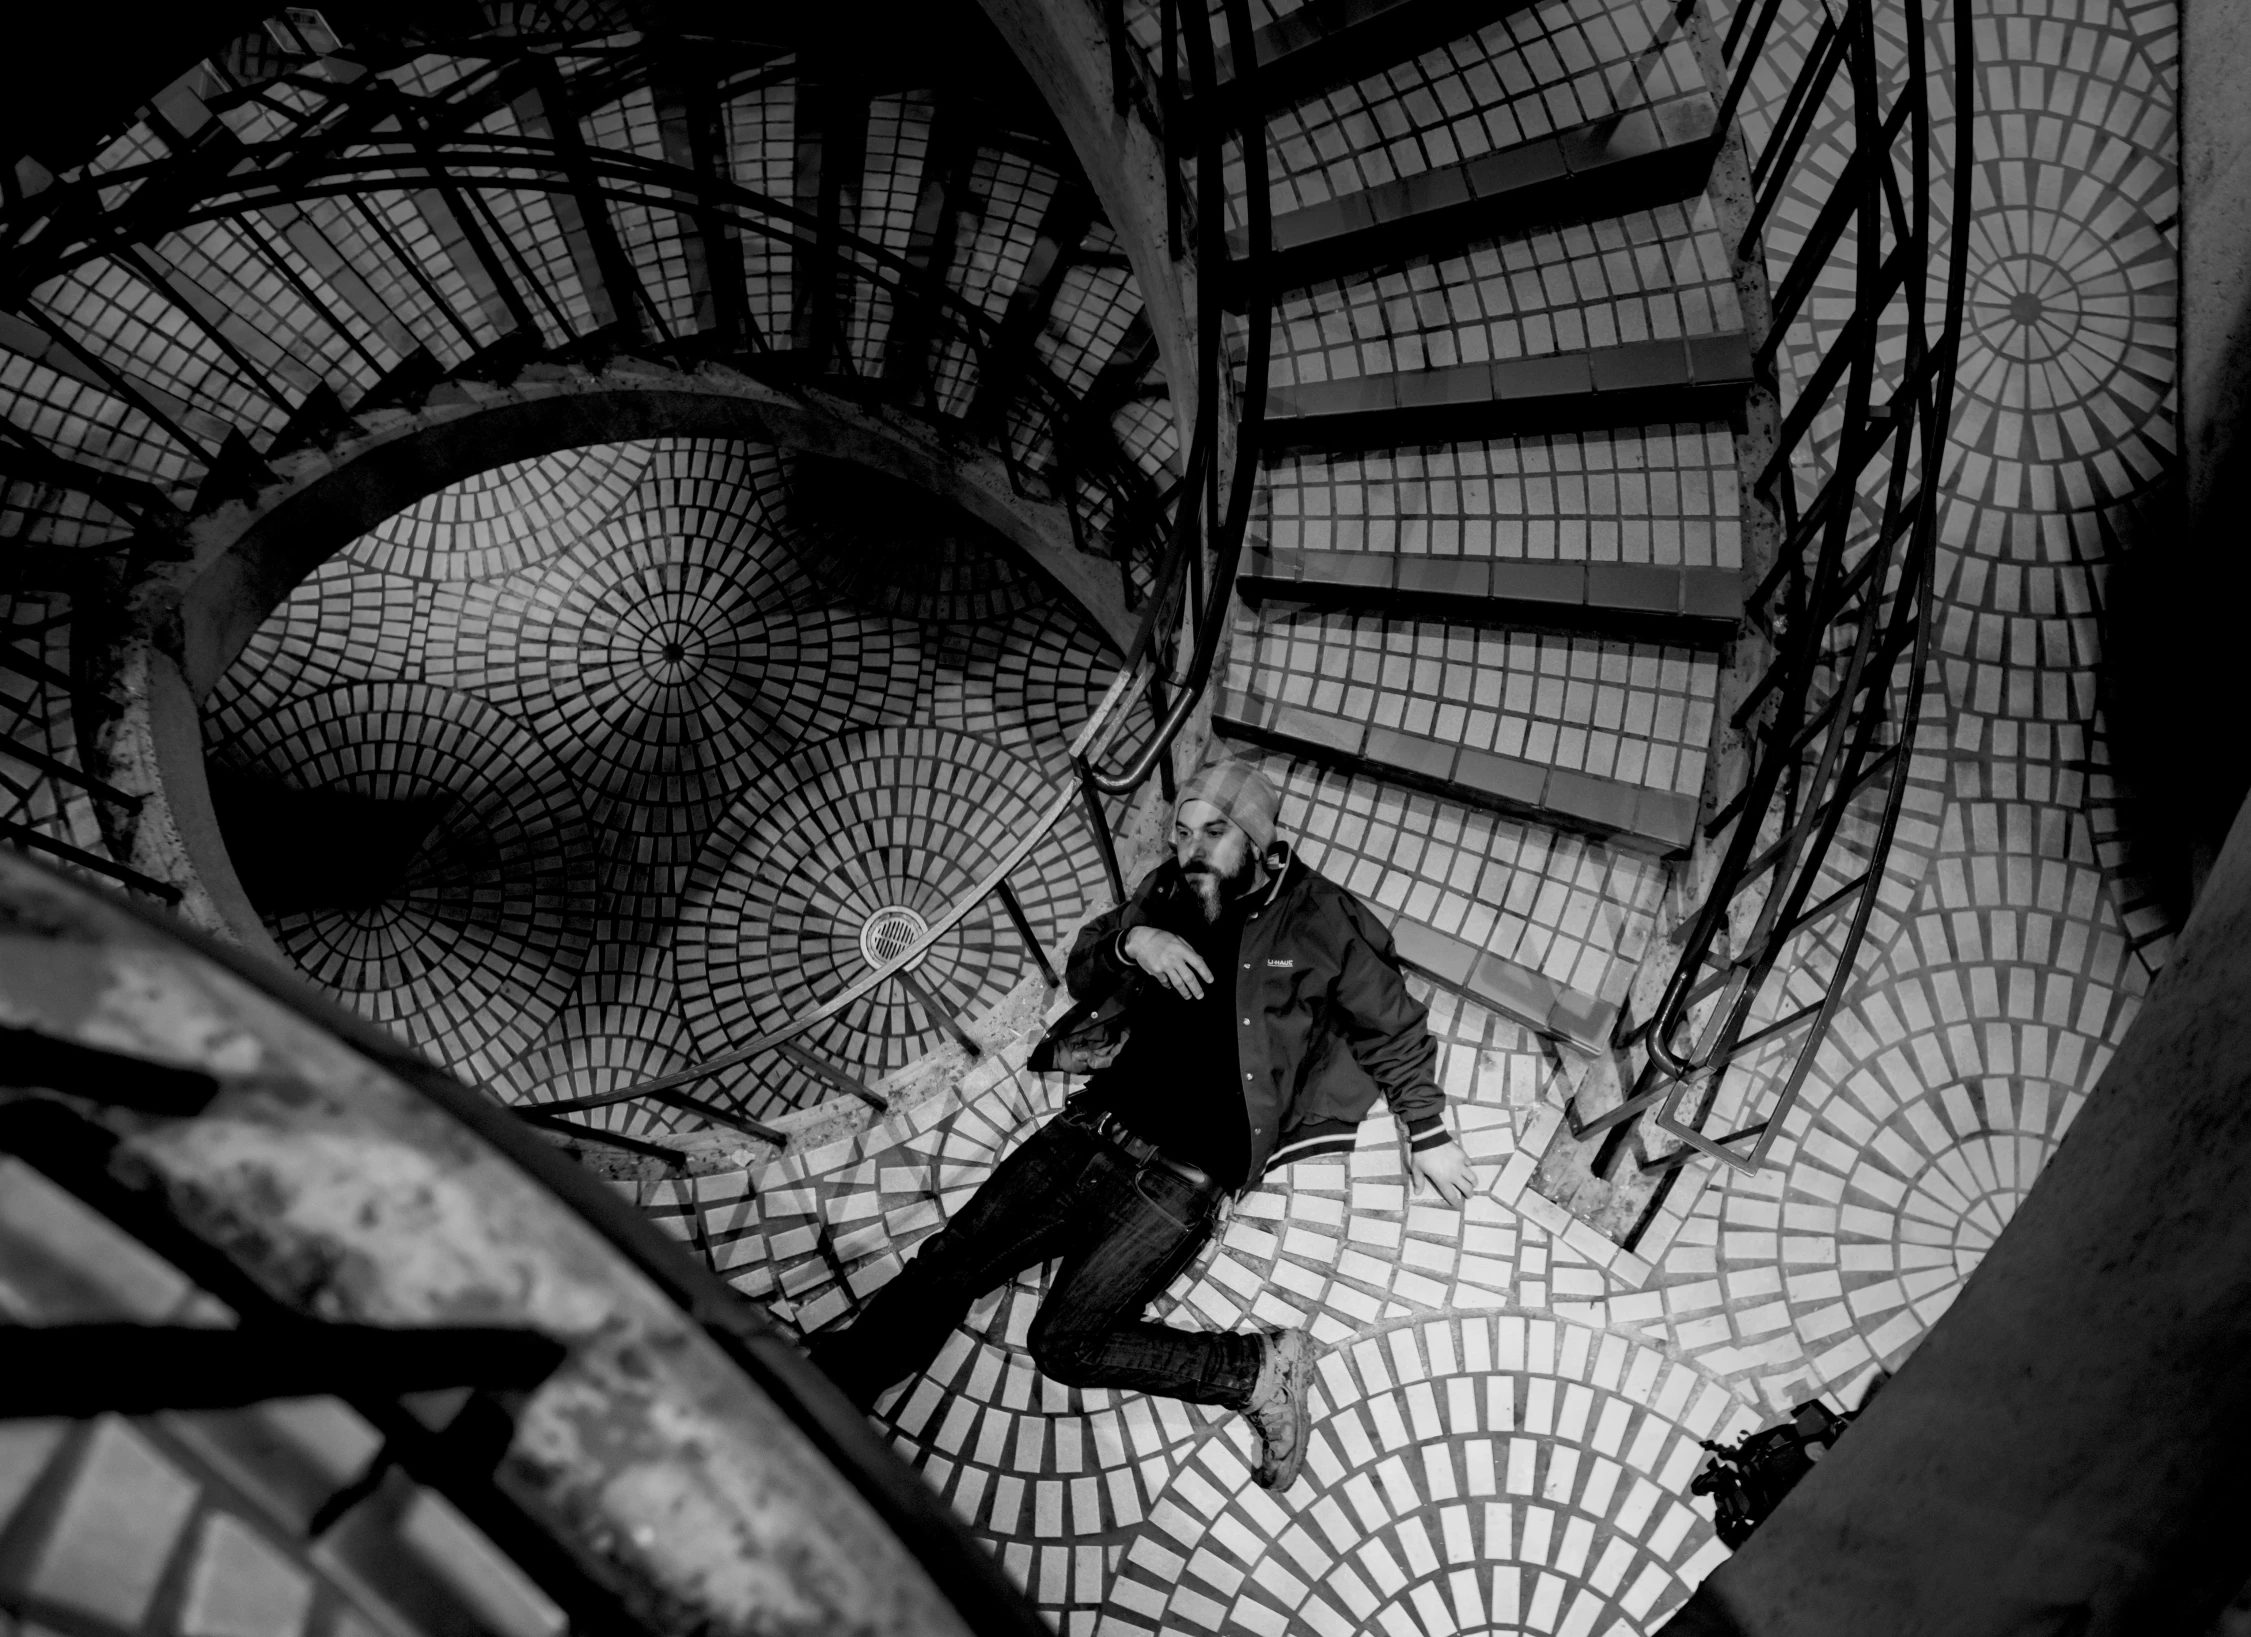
(1262, 1012)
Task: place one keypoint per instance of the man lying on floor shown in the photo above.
(1261, 1011)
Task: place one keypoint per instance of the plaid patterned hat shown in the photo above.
(1240, 791)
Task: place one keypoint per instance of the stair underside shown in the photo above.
(1656, 155)
(1329, 43)
(1692, 606)
(1693, 378)
(1531, 998)
(1632, 815)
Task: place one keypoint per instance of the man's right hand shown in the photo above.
(1170, 959)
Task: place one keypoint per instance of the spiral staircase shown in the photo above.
(1506, 438)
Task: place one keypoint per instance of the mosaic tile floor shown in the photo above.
(1507, 1406)
(678, 767)
(577, 652)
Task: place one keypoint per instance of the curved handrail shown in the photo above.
(49, 238)
(1198, 516)
(48, 233)
(1913, 424)
(305, 167)
(1095, 733)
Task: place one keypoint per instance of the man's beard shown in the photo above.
(1214, 892)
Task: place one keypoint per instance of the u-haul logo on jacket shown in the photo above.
(1285, 965)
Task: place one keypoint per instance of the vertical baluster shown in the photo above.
(1101, 828)
(1741, 80)
(1015, 908)
(938, 1012)
(834, 1076)
(1165, 779)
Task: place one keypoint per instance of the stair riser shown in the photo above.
(1644, 182)
(1614, 410)
(1685, 630)
(1251, 733)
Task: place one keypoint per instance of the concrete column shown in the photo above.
(2174, 642)
(2215, 245)
(2069, 1452)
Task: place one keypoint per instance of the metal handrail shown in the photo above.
(325, 154)
(304, 167)
(1811, 608)
(1091, 737)
(1198, 516)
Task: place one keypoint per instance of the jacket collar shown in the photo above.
(1288, 873)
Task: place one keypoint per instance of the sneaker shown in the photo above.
(1276, 1410)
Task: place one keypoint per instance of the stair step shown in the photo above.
(1633, 815)
(1532, 998)
(1656, 155)
(1691, 378)
(1329, 43)
(1691, 606)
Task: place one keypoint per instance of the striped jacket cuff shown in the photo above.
(1428, 1132)
(1331, 1137)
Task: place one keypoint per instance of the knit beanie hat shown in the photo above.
(1240, 791)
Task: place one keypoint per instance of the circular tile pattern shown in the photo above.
(500, 521)
(2067, 351)
(894, 818)
(1922, 1199)
(617, 1029)
(1467, 1473)
(668, 655)
(883, 545)
(1028, 683)
(483, 937)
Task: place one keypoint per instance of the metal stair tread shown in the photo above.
(1328, 43)
(1680, 603)
(1681, 378)
(1630, 814)
(1606, 167)
(1530, 997)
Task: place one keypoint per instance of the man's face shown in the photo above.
(1214, 854)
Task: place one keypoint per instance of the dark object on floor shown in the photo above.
(1748, 1479)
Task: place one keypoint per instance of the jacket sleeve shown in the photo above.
(1388, 1030)
(1098, 963)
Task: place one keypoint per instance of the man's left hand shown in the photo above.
(1446, 1169)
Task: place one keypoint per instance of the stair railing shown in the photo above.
(1047, 447)
(1190, 592)
(1769, 956)
(356, 137)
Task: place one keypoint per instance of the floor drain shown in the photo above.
(890, 933)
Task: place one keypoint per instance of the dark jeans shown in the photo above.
(1124, 1231)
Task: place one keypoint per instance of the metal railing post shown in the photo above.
(834, 1076)
(1100, 825)
(1015, 908)
(939, 1013)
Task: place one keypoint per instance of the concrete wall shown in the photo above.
(2067, 1451)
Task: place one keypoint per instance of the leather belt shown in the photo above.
(1109, 1127)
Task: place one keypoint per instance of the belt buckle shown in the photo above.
(1193, 1175)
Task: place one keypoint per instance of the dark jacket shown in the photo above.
(1331, 1022)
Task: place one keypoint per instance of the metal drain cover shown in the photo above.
(890, 933)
